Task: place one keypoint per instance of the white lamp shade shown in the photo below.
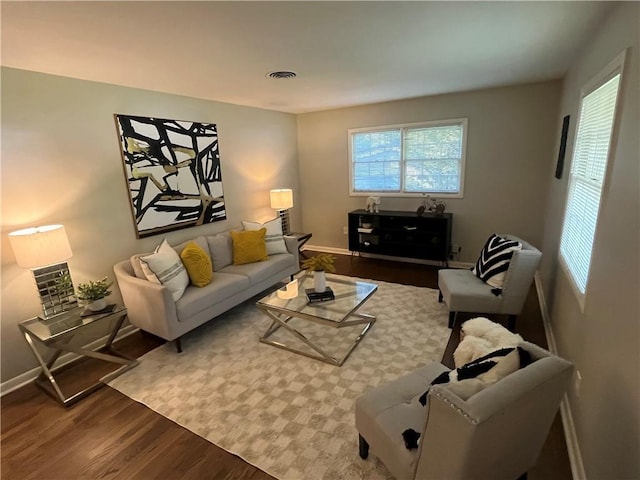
(281, 199)
(40, 246)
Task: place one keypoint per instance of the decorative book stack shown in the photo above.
(317, 297)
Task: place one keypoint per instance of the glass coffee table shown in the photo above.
(296, 321)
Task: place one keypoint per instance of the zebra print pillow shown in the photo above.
(494, 261)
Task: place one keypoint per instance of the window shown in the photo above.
(588, 169)
(409, 159)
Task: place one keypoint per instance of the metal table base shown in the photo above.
(282, 321)
(46, 380)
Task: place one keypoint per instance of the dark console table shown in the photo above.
(401, 234)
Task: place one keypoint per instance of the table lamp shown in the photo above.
(282, 201)
(44, 251)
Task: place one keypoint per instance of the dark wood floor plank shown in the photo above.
(109, 436)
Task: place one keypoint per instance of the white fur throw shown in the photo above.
(481, 336)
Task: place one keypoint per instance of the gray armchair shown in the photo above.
(462, 291)
(495, 434)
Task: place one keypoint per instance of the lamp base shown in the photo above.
(284, 215)
(55, 288)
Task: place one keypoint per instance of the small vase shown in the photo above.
(319, 281)
(98, 305)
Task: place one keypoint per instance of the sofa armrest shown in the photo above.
(292, 246)
(150, 306)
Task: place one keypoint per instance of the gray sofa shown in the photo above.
(151, 308)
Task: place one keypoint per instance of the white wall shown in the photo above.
(510, 145)
(61, 163)
(603, 341)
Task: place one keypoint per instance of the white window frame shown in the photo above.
(615, 67)
(436, 123)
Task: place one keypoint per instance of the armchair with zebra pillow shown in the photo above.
(498, 283)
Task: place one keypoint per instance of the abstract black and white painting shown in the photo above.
(173, 173)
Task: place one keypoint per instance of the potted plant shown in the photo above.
(94, 293)
(319, 265)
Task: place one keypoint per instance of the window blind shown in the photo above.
(588, 167)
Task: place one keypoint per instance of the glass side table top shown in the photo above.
(57, 327)
(350, 295)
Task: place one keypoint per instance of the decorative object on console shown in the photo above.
(282, 201)
(319, 265)
(173, 173)
(431, 205)
(373, 205)
(94, 293)
(44, 251)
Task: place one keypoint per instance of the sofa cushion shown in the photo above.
(221, 250)
(249, 246)
(494, 260)
(273, 238)
(165, 267)
(196, 300)
(197, 263)
(259, 271)
(199, 240)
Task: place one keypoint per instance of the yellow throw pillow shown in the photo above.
(249, 246)
(198, 264)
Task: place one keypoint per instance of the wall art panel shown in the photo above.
(173, 173)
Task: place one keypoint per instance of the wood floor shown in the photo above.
(109, 436)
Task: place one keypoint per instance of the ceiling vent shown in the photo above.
(282, 74)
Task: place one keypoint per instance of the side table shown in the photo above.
(302, 239)
(57, 333)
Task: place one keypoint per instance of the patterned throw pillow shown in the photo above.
(165, 267)
(273, 238)
(494, 261)
(249, 246)
(197, 263)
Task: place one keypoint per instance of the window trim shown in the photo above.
(613, 68)
(464, 122)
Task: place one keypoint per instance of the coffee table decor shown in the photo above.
(294, 316)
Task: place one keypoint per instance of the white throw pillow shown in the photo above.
(273, 239)
(165, 267)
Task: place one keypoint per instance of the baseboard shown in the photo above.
(29, 376)
(570, 435)
(343, 251)
(318, 248)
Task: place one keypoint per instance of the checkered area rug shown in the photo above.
(287, 414)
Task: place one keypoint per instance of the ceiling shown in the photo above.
(345, 53)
